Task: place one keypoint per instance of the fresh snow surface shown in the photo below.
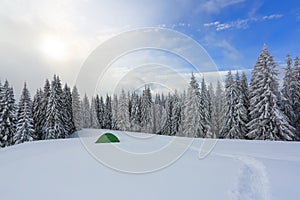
(235, 169)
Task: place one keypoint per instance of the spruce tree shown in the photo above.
(146, 114)
(76, 109)
(68, 111)
(25, 125)
(8, 115)
(54, 125)
(123, 114)
(93, 113)
(191, 124)
(135, 112)
(86, 112)
(38, 114)
(268, 122)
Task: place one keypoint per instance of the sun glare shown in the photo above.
(53, 48)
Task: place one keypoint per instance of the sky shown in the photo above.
(42, 38)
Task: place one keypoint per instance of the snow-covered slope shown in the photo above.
(235, 169)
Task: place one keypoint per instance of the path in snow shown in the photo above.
(252, 182)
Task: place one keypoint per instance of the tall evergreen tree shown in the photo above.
(176, 113)
(218, 110)
(229, 129)
(25, 126)
(86, 112)
(93, 113)
(135, 112)
(296, 94)
(107, 119)
(146, 114)
(44, 105)
(76, 109)
(54, 125)
(7, 115)
(204, 110)
(68, 111)
(114, 112)
(191, 123)
(38, 114)
(123, 114)
(268, 122)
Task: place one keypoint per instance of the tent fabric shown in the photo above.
(107, 138)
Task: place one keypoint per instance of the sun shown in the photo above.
(54, 48)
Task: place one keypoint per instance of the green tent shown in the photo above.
(107, 138)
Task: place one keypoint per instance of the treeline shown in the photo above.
(237, 111)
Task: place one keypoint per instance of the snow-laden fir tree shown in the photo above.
(296, 88)
(229, 129)
(44, 105)
(268, 122)
(291, 93)
(55, 118)
(167, 127)
(99, 110)
(241, 109)
(114, 112)
(93, 113)
(25, 125)
(38, 114)
(146, 114)
(191, 123)
(204, 111)
(123, 112)
(76, 109)
(68, 111)
(176, 113)
(135, 120)
(7, 115)
(107, 119)
(218, 110)
(85, 112)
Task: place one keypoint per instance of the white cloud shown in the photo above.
(215, 6)
(240, 23)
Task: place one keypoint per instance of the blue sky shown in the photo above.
(40, 38)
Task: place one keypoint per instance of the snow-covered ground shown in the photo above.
(235, 169)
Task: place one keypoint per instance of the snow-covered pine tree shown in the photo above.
(76, 109)
(176, 113)
(86, 110)
(289, 93)
(123, 114)
(54, 126)
(107, 119)
(218, 110)
(115, 112)
(229, 129)
(68, 111)
(167, 127)
(44, 105)
(182, 116)
(38, 114)
(241, 109)
(135, 112)
(191, 123)
(268, 122)
(296, 94)
(7, 115)
(146, 111)
(204, 110)
(25, 126)
(99, 110)
(93, 113)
